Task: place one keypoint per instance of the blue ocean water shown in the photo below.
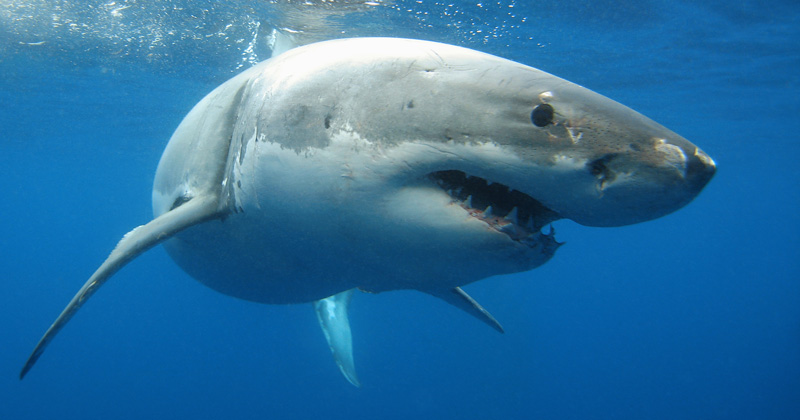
(694, 315)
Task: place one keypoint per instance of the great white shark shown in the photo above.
(380, 164)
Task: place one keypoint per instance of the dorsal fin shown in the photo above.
(197, 210)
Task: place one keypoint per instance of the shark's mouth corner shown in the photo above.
(509, 211)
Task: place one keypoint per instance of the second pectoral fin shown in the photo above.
(460, 299)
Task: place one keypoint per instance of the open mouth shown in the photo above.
(512, 212)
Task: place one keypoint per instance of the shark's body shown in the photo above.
(384, 164)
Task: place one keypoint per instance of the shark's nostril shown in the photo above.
(599, 168)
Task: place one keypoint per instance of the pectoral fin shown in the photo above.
(197, 210)
(460, 299)
(332, 316)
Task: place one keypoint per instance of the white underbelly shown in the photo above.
(307, 226)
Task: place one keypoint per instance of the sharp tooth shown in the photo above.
(468, 201)
(508, 229)
(552, 232)
(512, 216)
(488, 211)
(530, 224)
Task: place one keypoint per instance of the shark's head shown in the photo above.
(510, 135)
(618, 166)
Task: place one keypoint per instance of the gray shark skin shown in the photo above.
(383, 164)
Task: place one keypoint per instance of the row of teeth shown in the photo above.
(508, 224)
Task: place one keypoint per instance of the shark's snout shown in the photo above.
(641, 174)
(642, 185)
(700, 168)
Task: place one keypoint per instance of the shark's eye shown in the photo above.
(542, 115)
